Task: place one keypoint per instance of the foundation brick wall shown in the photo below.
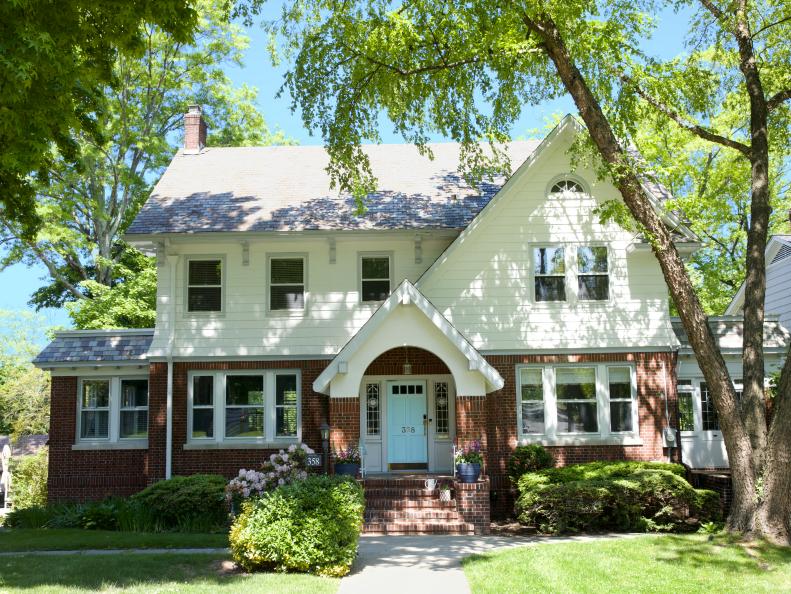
(472, 501)
(344, 422)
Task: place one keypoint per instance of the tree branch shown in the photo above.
(775, 100)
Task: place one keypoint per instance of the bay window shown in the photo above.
(243, 406)
(563, 402)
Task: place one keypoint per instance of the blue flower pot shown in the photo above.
(468, 472)
(347, 469)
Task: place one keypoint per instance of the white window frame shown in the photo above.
(552, 435)
(534, 275)
(597, 400)
(191, 406)
(632, 397)
(187, 286)
(566, 177)
(269, 438)
(269, 284)
(692, 391)
(122, 408)
(360, 279)
(577, 274)
(113, 440)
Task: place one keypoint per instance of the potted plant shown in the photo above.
(444, 492)
(468, 462)
(347, 461)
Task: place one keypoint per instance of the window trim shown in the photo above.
(570, 177)
(305, 292)
(113, 439)
(186, 286)
(391, 268)
(571, 274)
(219, 440)
(604, 436)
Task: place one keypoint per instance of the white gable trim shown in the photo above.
(407, 294)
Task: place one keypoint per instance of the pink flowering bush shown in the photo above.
(283, 468)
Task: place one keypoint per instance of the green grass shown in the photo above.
(20, 539)
(668, 563)
(144, 573)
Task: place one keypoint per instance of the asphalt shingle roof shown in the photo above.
(729, 333)
(96, 347)
(287, 188)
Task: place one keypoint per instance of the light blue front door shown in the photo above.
(406, 431)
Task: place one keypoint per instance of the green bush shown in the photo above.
(28, 517)
(619, 496)
(29, 480)
(308, 526)
(185, 503)
(528, 458)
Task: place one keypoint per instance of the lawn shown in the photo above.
(669, 563)
(144, 573)
(69, 539)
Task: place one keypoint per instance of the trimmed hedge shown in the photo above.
(614, 496)
(528, 458)
(193, 503)
(29, 480)
(309, 526)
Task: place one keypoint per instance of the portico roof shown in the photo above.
(429, 329)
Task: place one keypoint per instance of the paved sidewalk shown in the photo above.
(427, 564)
(191, 551)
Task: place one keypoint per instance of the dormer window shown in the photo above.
(566, 186)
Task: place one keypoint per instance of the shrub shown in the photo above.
(186, 503)
(28, 517)
(307, 526)
(29, 480)
(282, 468)
(620, 496)
(528, 458)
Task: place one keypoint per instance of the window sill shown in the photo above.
(137, 444)
(241, 445)
(579, 440)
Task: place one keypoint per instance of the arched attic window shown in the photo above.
(565, 186)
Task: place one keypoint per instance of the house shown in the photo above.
(508, 314)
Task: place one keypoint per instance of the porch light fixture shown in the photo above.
(407, 364)
(325, 446)
(325, 431)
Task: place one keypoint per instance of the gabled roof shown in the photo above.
(96, 346)
(287, 188)
(729, 333)
(778, 248)
(406, 294)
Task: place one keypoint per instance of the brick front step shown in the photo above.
(398, 503)
(400, 492)
(409, 483)
(404, 527)
(375, 515)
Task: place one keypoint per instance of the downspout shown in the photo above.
(671, 436)
(172, 264)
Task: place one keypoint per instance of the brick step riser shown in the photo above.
(405, 483)
(418, 533)
(392, 503)
(400, 492)
(408, 514)
(418, 528)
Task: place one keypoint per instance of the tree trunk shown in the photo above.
(710, 360)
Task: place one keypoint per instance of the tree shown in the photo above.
(466, 70)
(86, 207)
(24, 389)
(57, 61)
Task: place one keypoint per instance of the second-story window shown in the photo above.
(204, 285)
(592, 273)
(287, 283)
(375, 278)
(549, 267)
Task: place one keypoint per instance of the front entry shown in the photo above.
(406, 425)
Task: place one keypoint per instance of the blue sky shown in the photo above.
(19, 281)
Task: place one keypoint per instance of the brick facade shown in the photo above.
(472, 501)
(492, 419)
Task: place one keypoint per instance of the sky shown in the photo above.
(18, 282)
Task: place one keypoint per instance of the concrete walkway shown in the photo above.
(427, 564)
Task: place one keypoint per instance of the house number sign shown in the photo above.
(313, 460)
(407, 429)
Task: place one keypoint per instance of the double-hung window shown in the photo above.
(686, 412)
(549, 269)
(593, 280)
(204, 285)
(572, 402)
(287, 283)
(709, 419)
(244, 406)
(112, 411)
(374, 277)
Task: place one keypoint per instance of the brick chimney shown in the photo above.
(194, 130)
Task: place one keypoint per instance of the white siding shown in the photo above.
(778, 291)
(484, 285)
(333, 311)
